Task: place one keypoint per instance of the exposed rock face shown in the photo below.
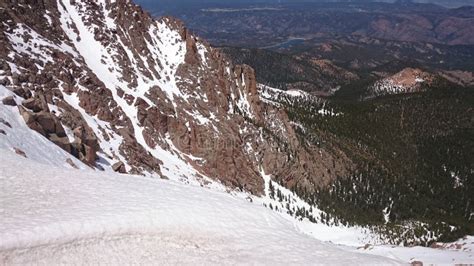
(107, 83)
(62, 142)
(9, 101)
(33, 104)
(119, 168)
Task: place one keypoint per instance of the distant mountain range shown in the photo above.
(174, 4)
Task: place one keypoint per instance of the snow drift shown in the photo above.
(53, 215)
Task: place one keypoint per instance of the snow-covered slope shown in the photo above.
(83, 214)
(147, 97)
(16, 136)
(135, 95)
(52, 215)
(457, 253)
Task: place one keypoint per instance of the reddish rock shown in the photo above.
(28, 116)
(71, 163)
(129, 98)
(85, 135)
(205, 123)
(119, 167)
(191, 56)
(9, 101)
(33, 104)
(141, 104)
(149, 140)
(89, 155)
(120, 93)
(62, 142)
(47, 121)
(24, 93)
(5, 123)
(20, 152)
(37, 127)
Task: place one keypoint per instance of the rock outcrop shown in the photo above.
(9, 101)
(119, 167)
(409, 80)
(121, 91)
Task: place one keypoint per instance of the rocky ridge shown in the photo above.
(409, 80)
(124, 92)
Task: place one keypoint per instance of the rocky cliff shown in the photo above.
(124, 92)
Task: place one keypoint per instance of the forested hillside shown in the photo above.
(414, 162)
